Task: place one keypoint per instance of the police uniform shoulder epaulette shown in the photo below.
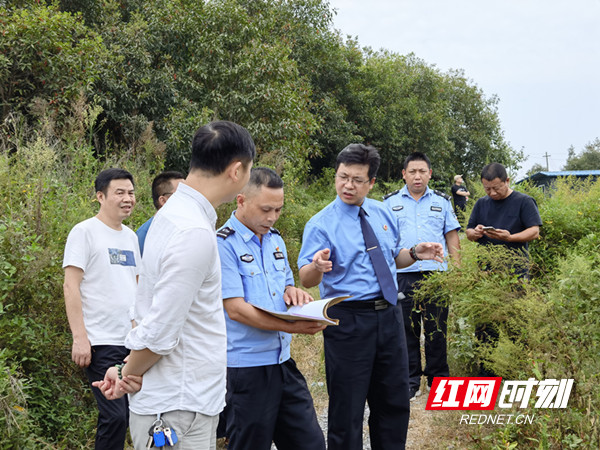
(386, 196)
(225, 232)
(275, 231)
(441, 194)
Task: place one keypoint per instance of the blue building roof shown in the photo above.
(561, 173)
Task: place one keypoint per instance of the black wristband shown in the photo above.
(413, 253)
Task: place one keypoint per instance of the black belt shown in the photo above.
(375, 304)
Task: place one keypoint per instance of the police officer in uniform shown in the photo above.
(424, 215)
(267, 397)
(351, 248)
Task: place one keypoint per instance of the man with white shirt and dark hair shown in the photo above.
(101, 262)
(180, 344)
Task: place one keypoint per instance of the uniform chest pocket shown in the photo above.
(279, 264)
(386, 239)
(399, 213)
(249, 270)
(435, 215)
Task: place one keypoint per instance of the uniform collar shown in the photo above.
(404, 192)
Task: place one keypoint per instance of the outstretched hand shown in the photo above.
(430, 250)
(321, 261)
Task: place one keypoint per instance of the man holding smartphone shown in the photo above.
(503, 217)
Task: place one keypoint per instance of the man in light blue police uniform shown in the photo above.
(351, 248)
(424, 215)
(267, 397)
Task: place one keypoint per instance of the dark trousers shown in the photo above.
(433, 318)
(268, 404)
(113, 415)
(365, 359)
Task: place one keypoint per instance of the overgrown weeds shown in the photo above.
(547, 327)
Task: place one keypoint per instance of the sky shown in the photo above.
(541, 58)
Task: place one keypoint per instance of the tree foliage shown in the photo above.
(85, 84)
(48, 55)
(277, 67)
(535, 169)
(587, 159)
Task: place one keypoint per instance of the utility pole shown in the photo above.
(546, 155)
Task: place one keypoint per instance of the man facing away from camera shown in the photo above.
(180, 344)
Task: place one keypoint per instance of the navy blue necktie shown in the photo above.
(382, 270)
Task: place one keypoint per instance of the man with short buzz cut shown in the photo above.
(504, 216)
(424, 215)
(101, 263)
(351, 247)
(267, 396)
(163, 186)
(180, 343)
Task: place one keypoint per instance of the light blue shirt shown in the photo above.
(142, 232)
(337, 227)
(258, 273)
(425, 220)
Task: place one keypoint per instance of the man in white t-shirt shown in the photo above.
(101, 264)
(180, 345)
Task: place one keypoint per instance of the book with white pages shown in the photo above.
(314, 311)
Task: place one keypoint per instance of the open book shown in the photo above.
(314, 311)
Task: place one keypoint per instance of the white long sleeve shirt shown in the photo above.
(179, 310)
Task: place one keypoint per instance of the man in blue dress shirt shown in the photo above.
(424, 215)
(365, 356)
(267, 397)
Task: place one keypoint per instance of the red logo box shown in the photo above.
(463, 393)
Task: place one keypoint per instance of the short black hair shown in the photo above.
(493, 171)
(360, 154)
(106, 176)
(263, 176)
(417, 156)
(217, 144)
(162, 183)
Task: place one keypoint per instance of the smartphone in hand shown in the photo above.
(488, 228)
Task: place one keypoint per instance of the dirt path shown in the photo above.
(432, 430)
(421, 428)
(426, 429)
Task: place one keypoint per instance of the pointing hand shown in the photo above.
(321, 261)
